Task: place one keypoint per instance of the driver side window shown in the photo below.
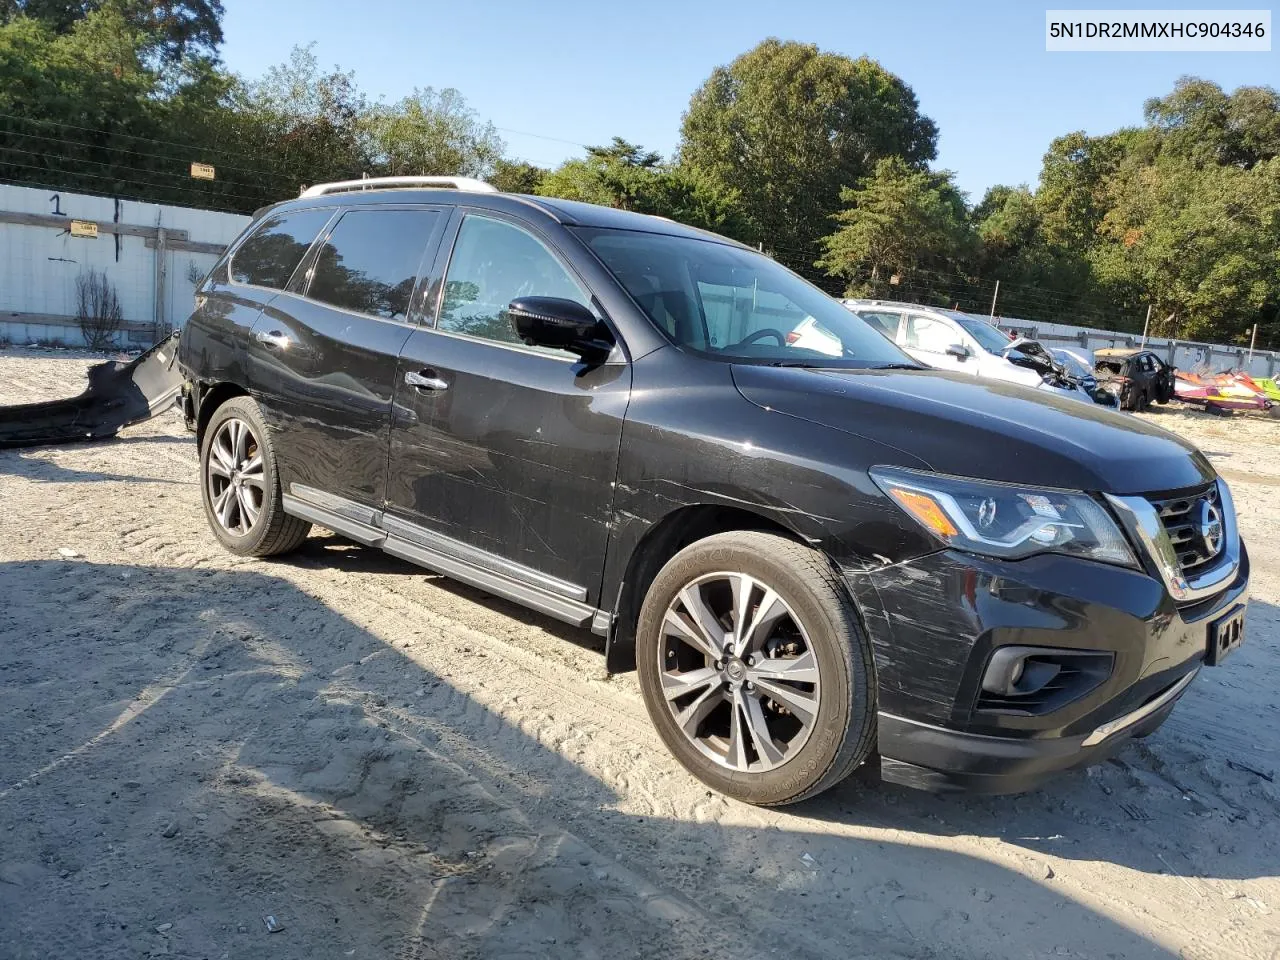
(928, 334)
(493, 263)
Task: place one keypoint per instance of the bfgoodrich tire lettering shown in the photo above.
(813, 661)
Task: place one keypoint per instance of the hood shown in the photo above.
(973, 427)
(1038, 358)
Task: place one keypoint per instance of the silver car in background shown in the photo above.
(961, 342)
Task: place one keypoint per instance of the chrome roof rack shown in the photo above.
(465, 184)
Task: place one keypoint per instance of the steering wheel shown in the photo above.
(760, 334)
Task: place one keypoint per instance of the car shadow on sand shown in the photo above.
(185, 752)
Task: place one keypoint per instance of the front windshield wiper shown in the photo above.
(897, 366)
(802, 364)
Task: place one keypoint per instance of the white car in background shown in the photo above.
(951, 340)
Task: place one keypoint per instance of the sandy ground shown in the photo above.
(392, 765)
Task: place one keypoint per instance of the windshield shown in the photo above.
(737, 305)
(989, 337)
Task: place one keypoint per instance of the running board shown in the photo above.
(523, 592)
(570, 611)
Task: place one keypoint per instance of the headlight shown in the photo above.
(1003, 520)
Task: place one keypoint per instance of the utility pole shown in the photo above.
(1145, 325)
(993, 300)
(1253, 340)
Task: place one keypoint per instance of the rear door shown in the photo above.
(323, 354)
(502, 453)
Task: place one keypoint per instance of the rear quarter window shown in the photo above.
(274, 250)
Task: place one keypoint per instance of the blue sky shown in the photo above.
(576, 72)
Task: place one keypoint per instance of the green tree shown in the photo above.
(174, 29)
(1200, 244)
(1015, 250)
(431, 132)
(517, 176)
(1200, 122)
(896, 220)
(75, 104)
(787, 126)
(625, 176)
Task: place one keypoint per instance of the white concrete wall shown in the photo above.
(39, 264)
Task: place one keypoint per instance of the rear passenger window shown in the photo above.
(886, 323)
(370, 261)
(269, 257)
(493, 263)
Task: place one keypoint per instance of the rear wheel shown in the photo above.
(239, 485)
(1133, 397)
(754, 668)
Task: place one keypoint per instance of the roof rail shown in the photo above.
(466, 184)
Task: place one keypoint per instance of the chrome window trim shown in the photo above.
(1141, 521)
(354, 314)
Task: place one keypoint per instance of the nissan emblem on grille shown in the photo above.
(1210, 527)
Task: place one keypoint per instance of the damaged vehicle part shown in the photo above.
(961, 342)
(811, 547)
(1136, 377)
(1079, 366)
(119, 394)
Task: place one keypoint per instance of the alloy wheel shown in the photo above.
(738, 672)
(235, 477)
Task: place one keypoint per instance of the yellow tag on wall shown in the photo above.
(84, 228)
(202, 171)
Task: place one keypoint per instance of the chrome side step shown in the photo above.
(459, 561)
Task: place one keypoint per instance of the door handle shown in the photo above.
(425, 380)
(273, 339)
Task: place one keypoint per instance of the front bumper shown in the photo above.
(935, 622)
(944, 760)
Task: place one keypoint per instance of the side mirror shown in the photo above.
(959, 351)
(559, 323)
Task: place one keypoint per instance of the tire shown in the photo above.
(230, 492)
(793, 760)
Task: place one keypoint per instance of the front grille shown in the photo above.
(1181, 517)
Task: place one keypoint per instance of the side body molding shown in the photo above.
(460, 561)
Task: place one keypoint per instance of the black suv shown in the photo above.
(812, 554)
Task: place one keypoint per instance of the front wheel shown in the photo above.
(754, 668)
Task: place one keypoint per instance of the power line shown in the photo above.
(131, 151)
(184, 180)
(113, 133)
(540, 136)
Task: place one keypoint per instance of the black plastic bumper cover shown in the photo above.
(935, 622)
(944, 761)
(118, 395)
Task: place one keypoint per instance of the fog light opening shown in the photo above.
(1015, 671)
(1035, 680)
